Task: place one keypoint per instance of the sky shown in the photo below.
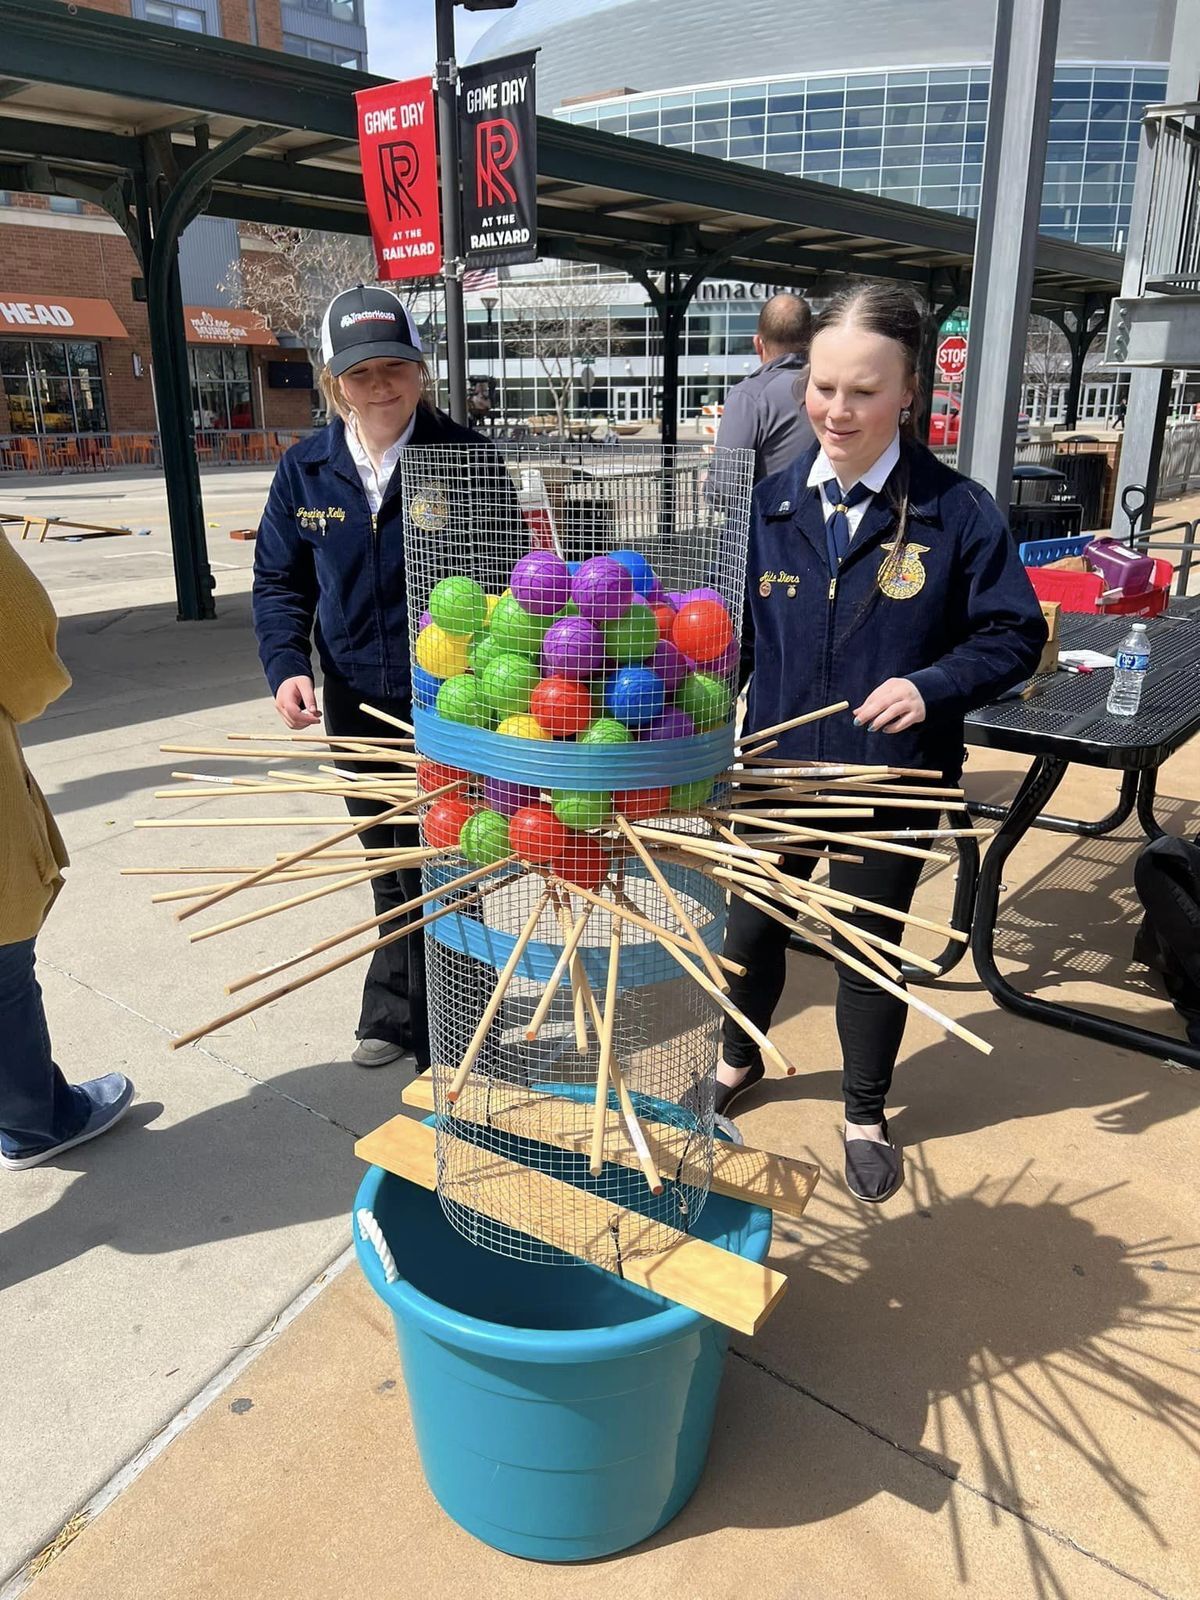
(400, 38)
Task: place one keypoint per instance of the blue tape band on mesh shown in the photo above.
(557, 764)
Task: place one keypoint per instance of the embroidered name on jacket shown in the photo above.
(314, 517)
(768, 580)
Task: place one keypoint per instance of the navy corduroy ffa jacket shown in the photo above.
(960, 618)
(325, 567)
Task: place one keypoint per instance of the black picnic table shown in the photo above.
(1065, 723)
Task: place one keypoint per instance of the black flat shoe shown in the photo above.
(873, 1171)
(726, 1094)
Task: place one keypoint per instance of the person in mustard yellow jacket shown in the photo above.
(41, 1114)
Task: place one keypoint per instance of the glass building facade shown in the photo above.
(913, 135)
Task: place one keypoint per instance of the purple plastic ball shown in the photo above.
(673, 724)
(706, 594)
(508, 798)
(425, 622)
(727, 662)
(541, 583)
(602, 589)
(656, 595)
(573, 648)
(676, 598)
(670, 663)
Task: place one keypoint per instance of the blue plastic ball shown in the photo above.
(638, 568)
(635, 695)
(424, 688)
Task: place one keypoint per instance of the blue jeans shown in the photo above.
(38, 1107)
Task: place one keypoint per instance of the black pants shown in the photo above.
(393, 1003)
(870, 1023)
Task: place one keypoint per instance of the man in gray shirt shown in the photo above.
(765, 412)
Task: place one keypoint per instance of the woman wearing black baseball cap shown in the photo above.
(329, 566)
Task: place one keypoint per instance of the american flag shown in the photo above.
(482, 278)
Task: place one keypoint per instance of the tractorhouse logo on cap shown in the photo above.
(497, 145)
(351, 317)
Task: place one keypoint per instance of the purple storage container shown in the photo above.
(1119, 566)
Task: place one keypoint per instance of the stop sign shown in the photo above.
(952, 358)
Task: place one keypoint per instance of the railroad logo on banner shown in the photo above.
(905, 581)
(498, 117)
(398, 145)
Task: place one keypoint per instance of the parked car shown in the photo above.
(945, 421)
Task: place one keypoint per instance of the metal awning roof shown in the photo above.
(82, 90)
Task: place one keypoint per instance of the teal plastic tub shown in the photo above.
(561, 1413)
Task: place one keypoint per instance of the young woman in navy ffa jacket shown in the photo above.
(330, 558)
(879, 576)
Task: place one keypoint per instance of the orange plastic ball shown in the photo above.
(639, 805)
(703, 630)
(562, 706)
(535, 834)
(664, 615)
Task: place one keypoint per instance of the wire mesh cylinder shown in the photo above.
(575, 618)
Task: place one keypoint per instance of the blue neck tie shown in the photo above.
(837, 529)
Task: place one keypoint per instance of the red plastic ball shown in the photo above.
(444, 820)
(703, 630)
(436, 775)
(586, 863)
(639, 805)
(562, 706)
(664, 615)
(535, 834)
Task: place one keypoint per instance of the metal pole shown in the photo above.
(447, 93)
(1006, 238)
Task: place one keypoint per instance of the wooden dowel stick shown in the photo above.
(828, 771)
(236, 822)
(560, 966)
(837, 837)
(462, 882)
(297, 876)
(286, 905)
(386, 716)
(633, 1128)
(756, 738)
(604, 1070)
(705, 845)
(676, 905)
(582, 999)
(382, 740)
(629, 913)
(932, 833)
(834, 808)
(458, 1082)
(701, 977)
(222, 753)
(820, 891)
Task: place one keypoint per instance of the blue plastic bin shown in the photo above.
(560, 1413)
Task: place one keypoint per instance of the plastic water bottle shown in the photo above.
(1129, 676)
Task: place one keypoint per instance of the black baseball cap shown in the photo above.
(366, 324)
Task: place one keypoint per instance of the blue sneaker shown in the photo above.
(111, 1097)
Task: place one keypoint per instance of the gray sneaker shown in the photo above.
(111, 1097)
(377, 1053)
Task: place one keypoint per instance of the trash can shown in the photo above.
(561, 1413)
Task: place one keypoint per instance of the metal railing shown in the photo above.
(1163, 254)
(101, 452)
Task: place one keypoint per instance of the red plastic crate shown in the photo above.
(1081, 591)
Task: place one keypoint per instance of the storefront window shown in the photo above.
(53, 387)
(220, 387)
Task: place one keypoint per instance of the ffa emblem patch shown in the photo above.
(905, 581)
(429, 507)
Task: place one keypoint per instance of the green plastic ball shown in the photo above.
(481, 653)
(582, 808)
(459, 606)
(460, 700)
(484, 838)
(691, 796)
(508, 682)
(705, 699)
(631, 637)
(514, 629)
(606, 730)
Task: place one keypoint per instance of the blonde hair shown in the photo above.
(335, 399)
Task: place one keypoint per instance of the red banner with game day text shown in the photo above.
(397, 140)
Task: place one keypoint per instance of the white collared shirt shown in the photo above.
(375, 483)
(874, 477)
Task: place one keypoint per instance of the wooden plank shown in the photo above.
(738, 1171)
(716, 1283)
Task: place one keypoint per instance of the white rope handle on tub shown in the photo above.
(371, 1230)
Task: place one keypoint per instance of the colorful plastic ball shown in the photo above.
(445, 820)
(562, 706)
(639, 805)
(522, 728)
(506, 798)
(727, 663)
(691, 796)
(461, 700)
(426, 619)
(677, 598)
(535, 834)
(656, 595)
(703, 630)
(573, 648)
(491, 601)
(458, 606)
(436, 775)
(638, 568)
(582, 808)
(424, 687)
(507, 683)
(670, 663)
(705, 699)
(439, 653)
(585, 862)
(484, 838)
(664, 616)
(703, 594)
(513, 628)
(673, 724)
(602, 589)
(541, 583)
(481, 652)
(606, 730)
(635, 695)
(633, 636)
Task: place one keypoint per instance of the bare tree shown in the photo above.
(563, 326)
(1047, 363)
